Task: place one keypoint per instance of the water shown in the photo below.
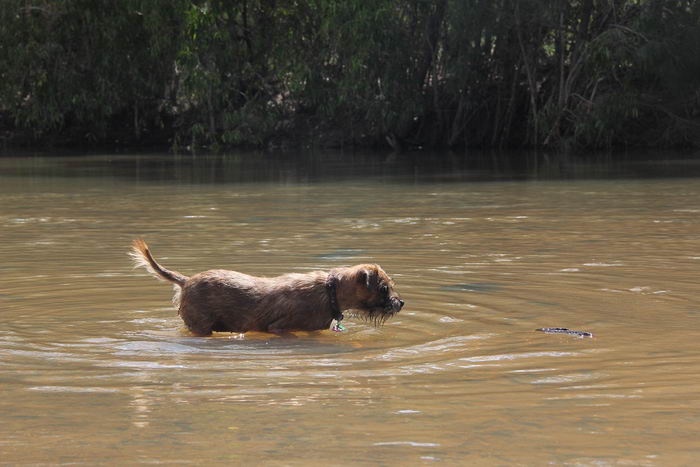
(96, 368)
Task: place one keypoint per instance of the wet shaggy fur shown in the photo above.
(230, 301)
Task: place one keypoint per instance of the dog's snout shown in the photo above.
(396, 304)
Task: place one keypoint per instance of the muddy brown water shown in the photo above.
(96, 368)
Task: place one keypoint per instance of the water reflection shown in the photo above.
(328, 166)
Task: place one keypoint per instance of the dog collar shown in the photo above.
(331, 287)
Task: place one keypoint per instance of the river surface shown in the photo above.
(97, 368)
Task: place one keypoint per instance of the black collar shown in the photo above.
(331, 286)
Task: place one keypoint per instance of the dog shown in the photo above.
(229, 301)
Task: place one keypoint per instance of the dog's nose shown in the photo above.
(400, 303)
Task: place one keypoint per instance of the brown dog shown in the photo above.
(221, 300)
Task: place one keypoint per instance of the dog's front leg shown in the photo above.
(279, 327)
(281, 332)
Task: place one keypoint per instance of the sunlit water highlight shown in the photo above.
(96, 368)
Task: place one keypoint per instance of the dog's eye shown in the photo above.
(384, 289)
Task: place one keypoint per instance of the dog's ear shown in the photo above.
(366, 276)
(363, 277)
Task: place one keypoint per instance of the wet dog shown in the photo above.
(230, 301)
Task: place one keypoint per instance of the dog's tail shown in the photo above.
(142, 258)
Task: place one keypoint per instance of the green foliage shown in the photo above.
(75, 67)
(408, 72)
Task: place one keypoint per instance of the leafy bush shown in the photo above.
(406, 73)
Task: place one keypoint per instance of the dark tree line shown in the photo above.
(404, 73)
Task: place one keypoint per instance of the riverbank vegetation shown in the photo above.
(583, 74)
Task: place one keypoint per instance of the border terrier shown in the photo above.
(230, 301)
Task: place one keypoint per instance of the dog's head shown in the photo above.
(374, 296)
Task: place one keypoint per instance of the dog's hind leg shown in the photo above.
(199, 329)
(199, 324)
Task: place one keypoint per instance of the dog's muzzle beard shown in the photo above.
(379, 313)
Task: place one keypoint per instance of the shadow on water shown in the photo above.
(330, 166)
(225, 344)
